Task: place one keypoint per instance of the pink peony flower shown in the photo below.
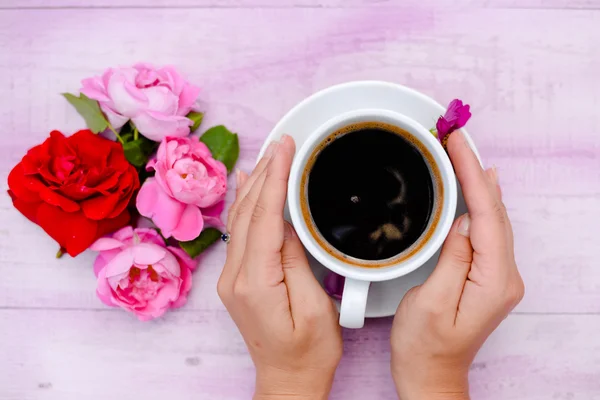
(138, 273)
(156, 100)
(187, 190)
(334, 285)
(455, 118)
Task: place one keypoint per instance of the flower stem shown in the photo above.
(60, 253)
(136, 134)
(119, 138)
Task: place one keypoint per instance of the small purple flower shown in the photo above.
(334, 285)
(455, 118)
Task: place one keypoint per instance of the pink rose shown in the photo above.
(187, 190)
(156, 100)
(138, 273)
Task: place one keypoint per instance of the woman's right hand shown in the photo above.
(441, 325)
(288, 322)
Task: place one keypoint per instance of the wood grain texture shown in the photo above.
(73, 355)
(522, 4)
(535, 96)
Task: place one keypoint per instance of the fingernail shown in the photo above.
(288, 231)
(464, 227)
(271, 149)
(238, 178)
(286, 138)
(495, 174)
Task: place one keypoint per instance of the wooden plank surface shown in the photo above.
(73, 355)
(529, 68)
(520, 4)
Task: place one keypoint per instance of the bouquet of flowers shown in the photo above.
(136, 160)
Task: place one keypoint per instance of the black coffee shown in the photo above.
(370, 193)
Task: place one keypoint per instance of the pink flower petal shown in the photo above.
(443, 128)
(148, 253)
(456, 117)
(146, 76)
(104, 258)
(162, 100)
(200, 150)
(190, 225)
(152, 202)
(135, 92)
(157, 306)
(169, 265)
(212, 215)
(116, 120)
(186, 286)
(151, 164)
(119, 265)
(187, 99)
(127, 99)
(141, 66)
(106, 243)
(123, 234)
(156, 126)
(103, 290)
(169, 293)
(463, 116)
(149, 235)
(94, 89)
(185, 261)
(170, 78)
(453, 107)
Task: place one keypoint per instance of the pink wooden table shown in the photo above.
(530, 68)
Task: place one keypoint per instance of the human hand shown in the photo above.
(441, 325)
(289, 324)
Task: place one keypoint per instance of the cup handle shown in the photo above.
(354, 303)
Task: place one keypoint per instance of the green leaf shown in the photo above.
(89, 110)
(201, 243)
(223, 145)
(138, 151)
(197, 118)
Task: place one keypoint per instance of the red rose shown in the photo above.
(76, 188)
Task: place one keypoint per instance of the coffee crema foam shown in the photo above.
(386, 232)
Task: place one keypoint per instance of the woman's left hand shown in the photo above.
(289, 324)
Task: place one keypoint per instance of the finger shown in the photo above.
(488, 234)
(265, 233)
(243, 205)
(492, 175)
(244, 188)
(305, 294)
(240, 177)
(445, 285)
(474, 182)
(238, 242)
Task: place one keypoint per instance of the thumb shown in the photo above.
(304, 291)
(446, 283)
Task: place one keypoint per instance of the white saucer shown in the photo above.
(317, 109)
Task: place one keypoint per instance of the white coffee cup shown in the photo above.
(360, 273)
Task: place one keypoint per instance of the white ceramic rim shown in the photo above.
(448, 207)
(355, 84)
